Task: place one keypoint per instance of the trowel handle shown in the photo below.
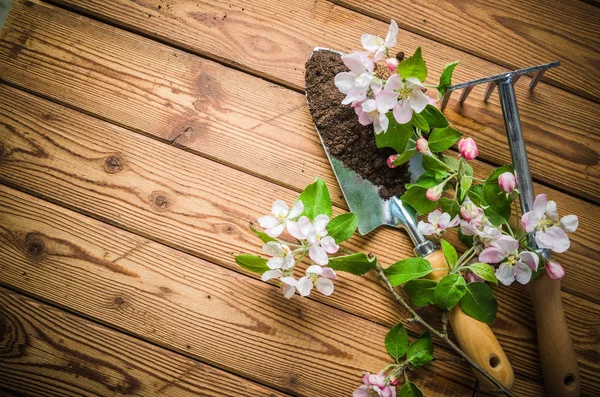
(475, 338)
(557, 355)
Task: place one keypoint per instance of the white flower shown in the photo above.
(282, 256)
(318, 276)
(516, 265)
(355, 83)
(288, 283)
(375, 43)
(438, 222)
(550, 232)
(409, 96)
(276, 223)
(320, 243)
(374, 111)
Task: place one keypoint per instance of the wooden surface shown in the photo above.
(137, 145)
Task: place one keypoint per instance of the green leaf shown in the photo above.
(396, 136)
(479, 302)
(450, 206)
(407, 269)
(410, 390)
(413, 66)
(263, 236)
(419, 122)
(396, 341)
(449, 253)
(420, 352)
(404, 157)
(449, 291)
(252, 263)
(342, 227)
(465, 185)
(357, 264)
(420, 292)
(446, 77)
(434, 167)
(316, 200)
(443, 138)
(451, 162)
(415, 197)
(484, 271)
(499, 203)
(434, 117)
(426, 180)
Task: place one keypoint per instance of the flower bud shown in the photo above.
(468, 148)
(393, 381)
(392, 64)
(423, 146)
(434, 193)
(468, 210)
(507, 182)
(391, 159)
(555, 270)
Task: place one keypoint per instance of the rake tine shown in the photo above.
(516, 78)
(465, 94)
(445, 99)
(536, 78)
(489, 90)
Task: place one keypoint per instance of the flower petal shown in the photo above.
(369, 42)
(528, 221)
(381, 123)
(390, 39)
(288, 290)
(289, 281)
(294, 230)
(555, 239)
(320, 223)
(318, 255)
(344, 81)
(314, 269)
(551, 210)
(539, 206)
(363, 81)
(304, 286)
(329, 245)
(355, 95)
(394, 83)
(272, 248)
(569, 223)
(280, 208)
(288, 261)
(522, 273)
(268, 221)
(369, 105)
(305, 226)
(418, 100)
(270, 274)
(357, 62)
(507, 244)
(324, 286)
(425, 229)
(274, 231)
(362, 391)
(505, 274)
(402, 112)
(530, 259)
(491, 255)
(275, 263)
(555, 270)
(386, 100)
(329, 273)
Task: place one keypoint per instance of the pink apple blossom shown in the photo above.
(410, 98)
(555, 270)
(422, 146)
(390, 160)
(376, 44)
(392, 64)
(355, 83)
(288, 282)
(282, 256)
(320, 243)
(507, 182)
(550, 232)
(467, 148)
(513, 264)
(281, 216)
(376, 109)
(438, 223)
(434, 193)
(317, 276)
(375, 385)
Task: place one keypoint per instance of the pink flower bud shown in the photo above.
(507, 182)
(393, 381)
(468, 210)
(434, 193)
(391, 159)
(555, 270)
(422, 146)
(472, 277)
(392, 64)
(468, 148)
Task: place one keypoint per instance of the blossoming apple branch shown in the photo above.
(484, 212)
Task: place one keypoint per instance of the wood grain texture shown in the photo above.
(46, 351)
(199, 206)
(230, 320)
(274, 40)
(205, 107)
(511, 33)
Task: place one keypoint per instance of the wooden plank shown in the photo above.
(274, 40)
(182, 302)
(47, 351)
(205, 107)
(517, 33)
(62, 155)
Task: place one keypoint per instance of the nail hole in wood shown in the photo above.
(113, 163)
(569, 381)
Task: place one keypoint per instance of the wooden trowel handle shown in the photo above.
(475, 338)
(557, 355)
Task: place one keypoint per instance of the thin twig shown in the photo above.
(443, 337)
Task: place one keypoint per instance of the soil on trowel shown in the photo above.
(346, 139)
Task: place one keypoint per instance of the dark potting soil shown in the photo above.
(346, 139)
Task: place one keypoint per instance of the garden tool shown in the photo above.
(557, 355)
(364, 199)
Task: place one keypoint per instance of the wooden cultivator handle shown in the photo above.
(475, 338)
(557, 355)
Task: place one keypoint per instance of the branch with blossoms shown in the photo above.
(302, 243)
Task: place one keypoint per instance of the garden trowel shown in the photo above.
(365, 200)
(557, 355)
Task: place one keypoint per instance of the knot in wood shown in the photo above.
(34, 245)
(113, 163)
(13, 338)
(160, 200)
